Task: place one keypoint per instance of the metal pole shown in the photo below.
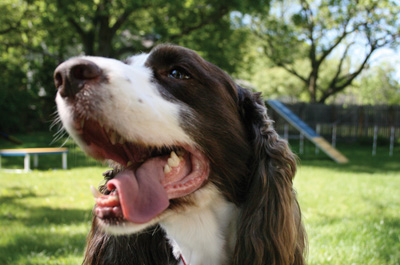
(301, 143)
(286, 132)
(392, 132)
(318, 130)
(35, 161)
(27, 163)
(334, 135)
(64, 160)
(375, 141)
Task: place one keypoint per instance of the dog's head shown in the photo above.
(179, 132)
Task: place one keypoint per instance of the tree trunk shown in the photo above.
(312, 86)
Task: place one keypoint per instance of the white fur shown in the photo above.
(204, 232)
(65, 114)
(132, 105)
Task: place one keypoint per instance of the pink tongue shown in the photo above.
(141, 194)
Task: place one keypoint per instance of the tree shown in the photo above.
(318, 30)
(36, 35)
(375, 86)
(113, 28)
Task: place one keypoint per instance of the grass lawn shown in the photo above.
(351, 212)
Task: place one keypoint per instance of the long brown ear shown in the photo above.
(270, 230)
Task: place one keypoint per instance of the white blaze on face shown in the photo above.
(130, 103)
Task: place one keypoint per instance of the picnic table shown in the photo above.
(35, 152)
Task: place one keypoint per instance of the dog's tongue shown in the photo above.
(141, 195)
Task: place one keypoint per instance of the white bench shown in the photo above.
(35, 152)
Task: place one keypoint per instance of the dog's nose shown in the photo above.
(71, 76)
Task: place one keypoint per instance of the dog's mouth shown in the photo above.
(145, 177)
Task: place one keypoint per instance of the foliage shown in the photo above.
(377, 85)
(307, 43)
(37, 35)
(317, 30)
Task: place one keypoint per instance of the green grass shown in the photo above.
(351, 212)
(45, 215)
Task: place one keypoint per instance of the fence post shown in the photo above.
(301, 151)
(375, 140)
(286, 132)
(318, 130)
(334, 135)
(392, 133)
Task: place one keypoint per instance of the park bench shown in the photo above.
(35, 152)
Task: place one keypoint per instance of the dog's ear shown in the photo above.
(270, 230)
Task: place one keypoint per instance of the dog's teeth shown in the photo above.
(101, 124)
(95, 192)
(174, 160)
(121, 140)
(167, 169)
(113, 137)
(129, 164)
(173, 155)
(82, 123)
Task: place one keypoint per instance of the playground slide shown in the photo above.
(308, 132)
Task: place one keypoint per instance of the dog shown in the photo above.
(199, 174)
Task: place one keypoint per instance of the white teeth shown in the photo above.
(174, 160)
(101, 124)
(95, 192)
(167, 169)
(129, 164)
(121, 140)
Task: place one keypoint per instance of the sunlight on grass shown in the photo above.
(351, 218)
(351, 212)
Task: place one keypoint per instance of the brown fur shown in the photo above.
(270, 227)
(250, 164)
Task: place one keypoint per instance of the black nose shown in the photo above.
(71, 76)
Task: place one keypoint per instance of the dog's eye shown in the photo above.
(179, 74)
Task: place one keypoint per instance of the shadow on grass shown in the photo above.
(44, 230)
(51, 244)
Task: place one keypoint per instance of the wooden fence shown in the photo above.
(344, 121)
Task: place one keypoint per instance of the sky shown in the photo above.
(390, 56)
